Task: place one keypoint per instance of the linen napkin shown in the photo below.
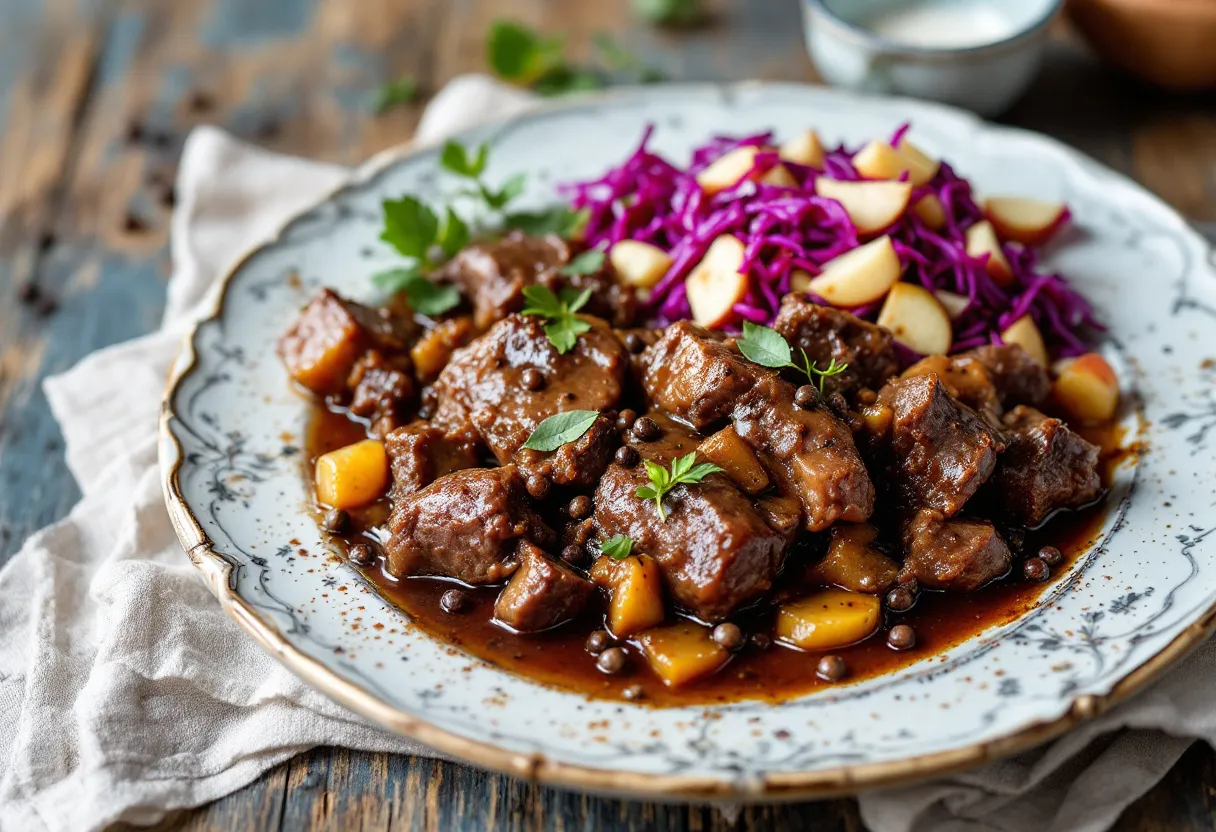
(125, 692)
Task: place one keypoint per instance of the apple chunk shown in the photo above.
(872, 206)
(981, 240)
(729, 169)
(715, 284)
(860, 276)
(954, 303)
(639, 264)
(931, 211)
(804, 149)
(878, 160)
(1088, 389)
(1024, 220)
(1026, 335)
(917, 319)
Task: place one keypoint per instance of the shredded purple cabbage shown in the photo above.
(786, 230)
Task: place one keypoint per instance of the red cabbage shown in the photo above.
(789, 229)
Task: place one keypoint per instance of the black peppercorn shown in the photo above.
(336, 521)
(628, 456)
(532, 379)
(634, 343)
(1051, 556)
(901, 637)
(455, 601)
(598, 642)
(579, 508)
(900, 599)
(832, 669)
(647, 429)
(362, 554)
(611, 661)
(728, 635)
(626, 418)
(806, 396)
(1036, 569)
(574, 555)
(538, 486)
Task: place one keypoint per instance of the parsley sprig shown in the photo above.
(617, 547)
(395, 93)
(662, 481)
(768, 348)
(523, 56)
(561, 324)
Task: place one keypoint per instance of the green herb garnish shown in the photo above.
(410, 227)
(558, 220)
(395, 93)
(425, 296)
(562, 326)
(589, 262)
(457, 159)
(617, 547)
(522, 56)
(768, 348)
(618, 57)
(670, 12)
(561, 428)
(683, 472)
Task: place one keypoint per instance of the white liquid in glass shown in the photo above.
(939, 25)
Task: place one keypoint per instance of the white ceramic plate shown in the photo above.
(233, 427)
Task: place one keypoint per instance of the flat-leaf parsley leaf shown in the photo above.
(617, 547)
(662, 481)
(562, 326)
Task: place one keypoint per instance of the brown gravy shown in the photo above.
(558, 657)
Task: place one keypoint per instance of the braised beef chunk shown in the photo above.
(420, 454)
(493, 275)
(464, 525)
(1018, 378)
(1046, 467)
(322, 347)
(965, 378)
(382, 388)
(542, 593)
(829, 334)
(810, 453)
(483, 386)
(697, 374)
(940, 451)
(952, 553)
(702, 378)
(716, 549)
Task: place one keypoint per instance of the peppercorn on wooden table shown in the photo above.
(96, 97)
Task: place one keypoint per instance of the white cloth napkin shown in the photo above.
(125, 692)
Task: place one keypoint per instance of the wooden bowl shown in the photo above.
(1169, 42)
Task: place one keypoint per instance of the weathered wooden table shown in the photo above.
(95, 99)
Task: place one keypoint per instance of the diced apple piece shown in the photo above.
(682, 652)
(635, 591)
(878, 160)
(1024, 220)
(715, 284)
(800, 281)
(860, 276)
(871, 205)
(728, 169)
(921, 166)
(917, 319)
(780, 176)
(1026, 335)
(638, 264)
(736, 458)
(805, 149)
(1088, 389)
(981, 240)
(352, 476)
(828, 619)
(954, 303)
(853, 562)
(931, 211)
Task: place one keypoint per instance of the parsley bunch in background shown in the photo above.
(523, 56)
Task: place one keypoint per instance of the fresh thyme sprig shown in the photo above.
(768, 348)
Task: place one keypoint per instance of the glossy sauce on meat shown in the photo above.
(558, 657)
